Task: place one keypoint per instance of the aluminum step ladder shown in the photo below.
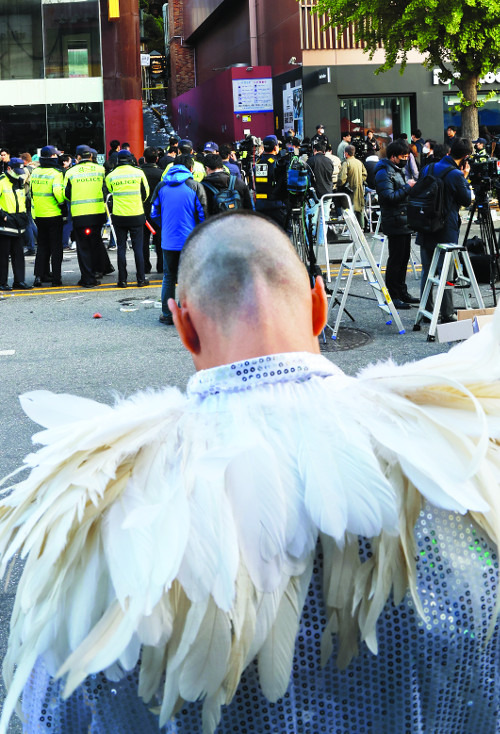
(453, 254)
(358, 256)
(382, 258)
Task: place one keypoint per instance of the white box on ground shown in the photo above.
(455, 331)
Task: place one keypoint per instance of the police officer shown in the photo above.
(13, 223)
(47, 195)
(84, 189)
(480, 154)
(270, 182)
(129, 188)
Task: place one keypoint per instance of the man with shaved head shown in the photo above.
(283, 549)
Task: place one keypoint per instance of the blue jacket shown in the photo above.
(457, 194)
(179, 203)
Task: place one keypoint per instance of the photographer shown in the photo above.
(353, 173)
(457, 193)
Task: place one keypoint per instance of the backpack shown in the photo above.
(225, 200)
(297, 181)
(426, 212)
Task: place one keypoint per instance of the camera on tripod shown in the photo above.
(484, 173)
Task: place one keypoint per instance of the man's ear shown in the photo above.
(319, 306)
(185, 327)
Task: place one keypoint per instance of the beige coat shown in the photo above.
(354, 173)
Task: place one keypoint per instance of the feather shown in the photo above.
(204, 666)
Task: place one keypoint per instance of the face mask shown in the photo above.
(401, 164)
(425, 149)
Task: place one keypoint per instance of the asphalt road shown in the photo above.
(49, 339)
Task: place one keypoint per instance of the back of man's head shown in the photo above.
(224, 151)
(185, 160)
(319, 146)
(350, 150)
(150, 155)
(460, 148)
(346, 134)
(227, 260)
(398, 147)
(213, 161)
(114, 144)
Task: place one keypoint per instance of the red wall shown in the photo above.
(122, 76)
(206, 112)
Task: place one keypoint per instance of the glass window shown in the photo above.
(22, 129)
(386, 116)
(489, 115)
(72, 40)
(69, 125)
(21, 51)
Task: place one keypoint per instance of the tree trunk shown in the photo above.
(470, 122)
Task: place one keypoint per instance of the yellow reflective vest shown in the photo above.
(47, 192)
(12, 204)
(129, 187)
(83, 186)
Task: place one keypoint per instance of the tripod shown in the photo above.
(481, 206)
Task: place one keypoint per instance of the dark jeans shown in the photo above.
(121, 241)
(157, 243)
(12, 247)
(447, 308)
(170, 267)
(49, 247)
(397, 264)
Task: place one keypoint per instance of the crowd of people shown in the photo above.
(56, 201)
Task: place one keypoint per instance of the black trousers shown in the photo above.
(397, 264)
(13, 248)
(87, 245)
(121, 242)
(50, 247)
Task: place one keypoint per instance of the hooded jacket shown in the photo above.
(392, 193)
(179, 203)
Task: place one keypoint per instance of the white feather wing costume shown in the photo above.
(178, 532)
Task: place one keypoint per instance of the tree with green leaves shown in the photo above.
(461, 38)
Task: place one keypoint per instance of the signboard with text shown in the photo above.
(252, 95)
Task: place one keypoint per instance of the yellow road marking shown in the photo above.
(59, 290)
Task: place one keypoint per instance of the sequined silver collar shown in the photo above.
(268, 370)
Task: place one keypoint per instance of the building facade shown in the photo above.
(318, 76)
(69, 73)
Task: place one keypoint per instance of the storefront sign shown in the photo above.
(145, 60)
(323, 76)
(252, 95)
(489, 78)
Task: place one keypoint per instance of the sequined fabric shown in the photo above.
(272, 369)
(437, 675)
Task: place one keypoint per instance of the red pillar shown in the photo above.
(121, 64)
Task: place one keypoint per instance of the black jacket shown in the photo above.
(322, 168)
(392, 193)
(153, 175)
(220, 180)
